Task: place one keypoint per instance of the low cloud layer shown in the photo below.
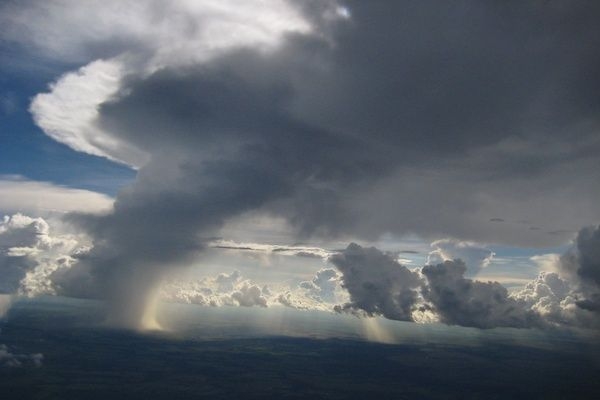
(224, 290)
(363, 281)
(379, 285)
(12, 360)
(460, 301)
(321, 292)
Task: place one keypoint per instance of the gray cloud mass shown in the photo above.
(461, 301)
(378, 285)
(408, 117)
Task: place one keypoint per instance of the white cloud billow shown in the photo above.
(69, 111)
(30, 253)
(163, 33)
(158, 35)
(223, 290)
(322, 292)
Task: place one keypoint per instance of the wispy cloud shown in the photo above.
(18, 194)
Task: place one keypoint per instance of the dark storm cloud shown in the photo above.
(363, 111)
(472, 88)
(588, 249)
(451, 76)
(377, 284)
(410, 117)
(582, 265)
(220, 146)
(460, 301)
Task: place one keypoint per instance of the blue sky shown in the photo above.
(28, 152)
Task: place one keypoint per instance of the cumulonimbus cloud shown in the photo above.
(279, 109)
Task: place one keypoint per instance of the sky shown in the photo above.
(417, 161)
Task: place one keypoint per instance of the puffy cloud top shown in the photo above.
(460, 301)
(378, 285)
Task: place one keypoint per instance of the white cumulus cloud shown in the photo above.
(30, 253)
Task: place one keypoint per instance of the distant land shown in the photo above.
(234, 359)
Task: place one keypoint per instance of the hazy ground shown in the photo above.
(264, 353)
